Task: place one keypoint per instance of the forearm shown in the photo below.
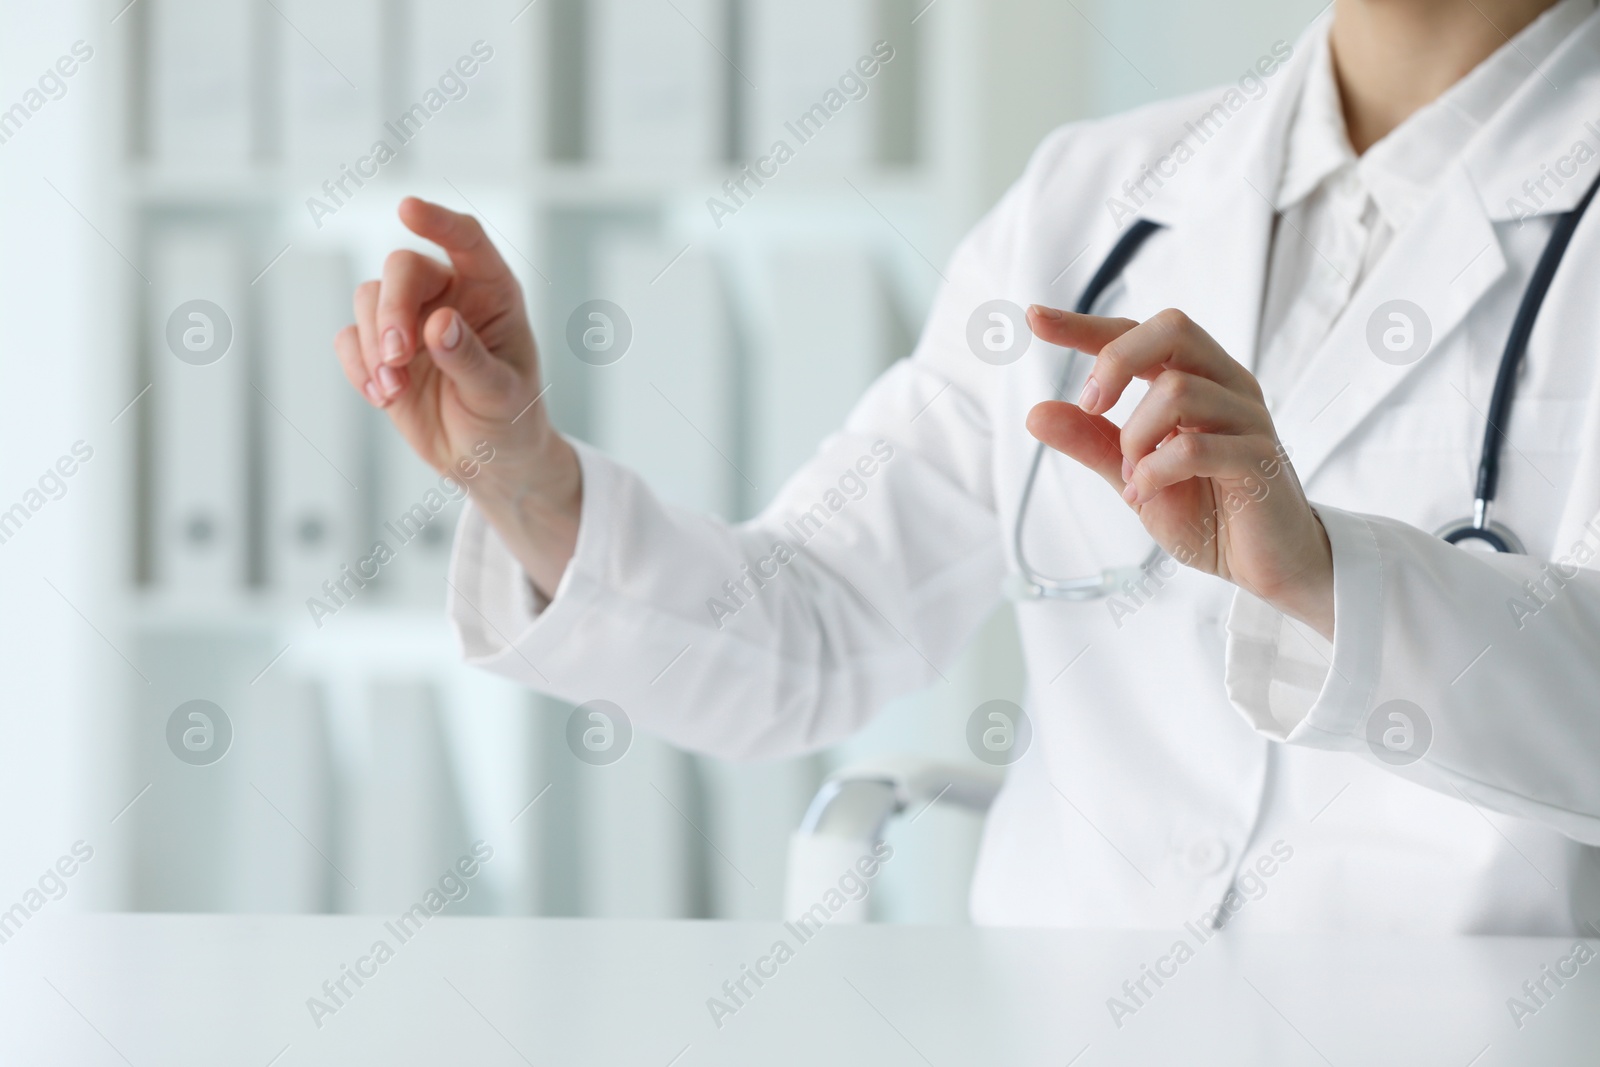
(765, 638)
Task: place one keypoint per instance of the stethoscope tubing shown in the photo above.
(1091, 587)
(1482, 527)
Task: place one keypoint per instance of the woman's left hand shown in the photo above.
(1198, 459)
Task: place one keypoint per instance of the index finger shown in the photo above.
(471, 252)
(1068, 329)
(1168, 340)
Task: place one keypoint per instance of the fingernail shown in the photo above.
(394, 346)
(1130, 493)
(1044, 312)
(1127, 469)
(452, 333)
(1090, 395)
(390, 380)
(373, 395)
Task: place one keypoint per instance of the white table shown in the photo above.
(169, 991)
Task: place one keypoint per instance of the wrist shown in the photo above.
(1309, 597)
(534, 501)
(530, 473)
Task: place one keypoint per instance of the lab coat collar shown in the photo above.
(1517, 159)
(1402, 168)
(1317, 142)
(1533, 132)
(1219, 205)
(1450, 254)
(1444, 261)
(1244, 157)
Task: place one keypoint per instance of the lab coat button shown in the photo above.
(1207, 855)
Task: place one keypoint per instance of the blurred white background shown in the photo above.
(176, 163)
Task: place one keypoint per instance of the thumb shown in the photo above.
(1092, 440)
(486, 384)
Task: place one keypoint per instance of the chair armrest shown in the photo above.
(857, 801)
(849, 813)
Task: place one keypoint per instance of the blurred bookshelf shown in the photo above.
(594, 138)
(580, 121)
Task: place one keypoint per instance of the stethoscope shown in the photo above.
(1481, 530)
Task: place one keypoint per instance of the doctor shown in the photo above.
(1286, 386)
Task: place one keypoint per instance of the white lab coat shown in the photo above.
(1175, 745)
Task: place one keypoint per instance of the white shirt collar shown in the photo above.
(1399, 171)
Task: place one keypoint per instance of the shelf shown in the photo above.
(556, 184)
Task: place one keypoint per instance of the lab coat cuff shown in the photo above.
(497, 612)
(1288, 681)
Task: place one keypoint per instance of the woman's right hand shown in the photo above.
(447, 351)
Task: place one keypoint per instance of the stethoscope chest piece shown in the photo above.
(1488, 537)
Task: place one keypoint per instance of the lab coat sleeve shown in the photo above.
(771, 637)
(862, 581)
(1504, 675)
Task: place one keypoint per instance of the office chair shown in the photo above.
(849, 813)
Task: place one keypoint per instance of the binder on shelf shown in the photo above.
(199, 404)
(201, 65)
(752, 810)
(797, 55)
(657, 85)
(181, 852)
(827, 339)
(282, 785)
(331, 73)
(311, 421)
(666, 408)
(404, 820)
(473, 95)
(416, 519)
(641, 858)
(898, 119)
